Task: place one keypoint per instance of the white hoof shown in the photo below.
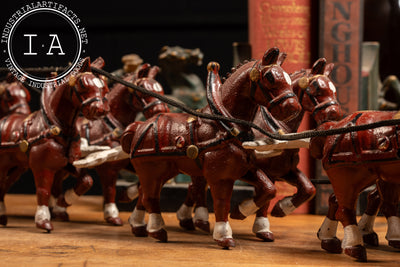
(137, 218)
(156, 222)
(184, 212)
(222, 230)
(393, 232)
(328, 229)
(110, 211)
(261, 225)
(352, 237)
(42, 214)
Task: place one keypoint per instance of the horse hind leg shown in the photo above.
(108, 175)
(390, 199)
(58, 211)
(305, 191)
(197, 195)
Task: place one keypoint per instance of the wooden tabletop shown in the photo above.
(87, 241)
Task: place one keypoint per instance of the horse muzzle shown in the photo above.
(95, 108)
(285, 107)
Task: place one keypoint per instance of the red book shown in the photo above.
(286, 24)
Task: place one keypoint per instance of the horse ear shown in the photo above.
(144, 70)
(153, 72)
(281, 58)
(318, 66)
(270, 57)
(85, 65)
(328, 69)
(98, 63)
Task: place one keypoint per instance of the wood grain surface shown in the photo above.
(87, 241)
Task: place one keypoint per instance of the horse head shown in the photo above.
(317, 93)
(272, 86)
(149, 105)
(14, 98)
(88, 92)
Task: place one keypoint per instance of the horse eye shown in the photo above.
(270, 77)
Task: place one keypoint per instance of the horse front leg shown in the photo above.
(261, 225)
(328, 229)
(305, 191)
(366, 223)
(108, 174)
(43, 181)
(197, 195)
(136, 220)
(221, 191)
(264, 191)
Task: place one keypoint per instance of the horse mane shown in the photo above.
(299, 73)
(234, 69)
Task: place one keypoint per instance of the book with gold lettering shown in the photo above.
(291, 26)
(340, 42)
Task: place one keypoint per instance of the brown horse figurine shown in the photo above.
(14, 97)
(318, 98)
(354, 161)
(170, 143)
(46, 141)
(125, 105)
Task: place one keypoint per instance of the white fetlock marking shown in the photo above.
(248, 207)
(133, 192)
(52, 201)
(286, 205)
(222, 230)
(42, 213)
(393, 232)
(2, 208)
(201, 213)
(328, 229)
(156, 222)
(137, 218)
(110, 211)
(352, 236)
(184, 212)
(261, 225)
(70, 196)
(59, 209)
(366, 224)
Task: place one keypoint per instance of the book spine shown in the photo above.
(340, 39)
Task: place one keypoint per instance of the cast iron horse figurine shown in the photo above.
(46, 141)
(125, 104)
(170, 143)
(354, 161)
(317, 97)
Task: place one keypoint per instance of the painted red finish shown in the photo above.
(46, 140)
(212, 149)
